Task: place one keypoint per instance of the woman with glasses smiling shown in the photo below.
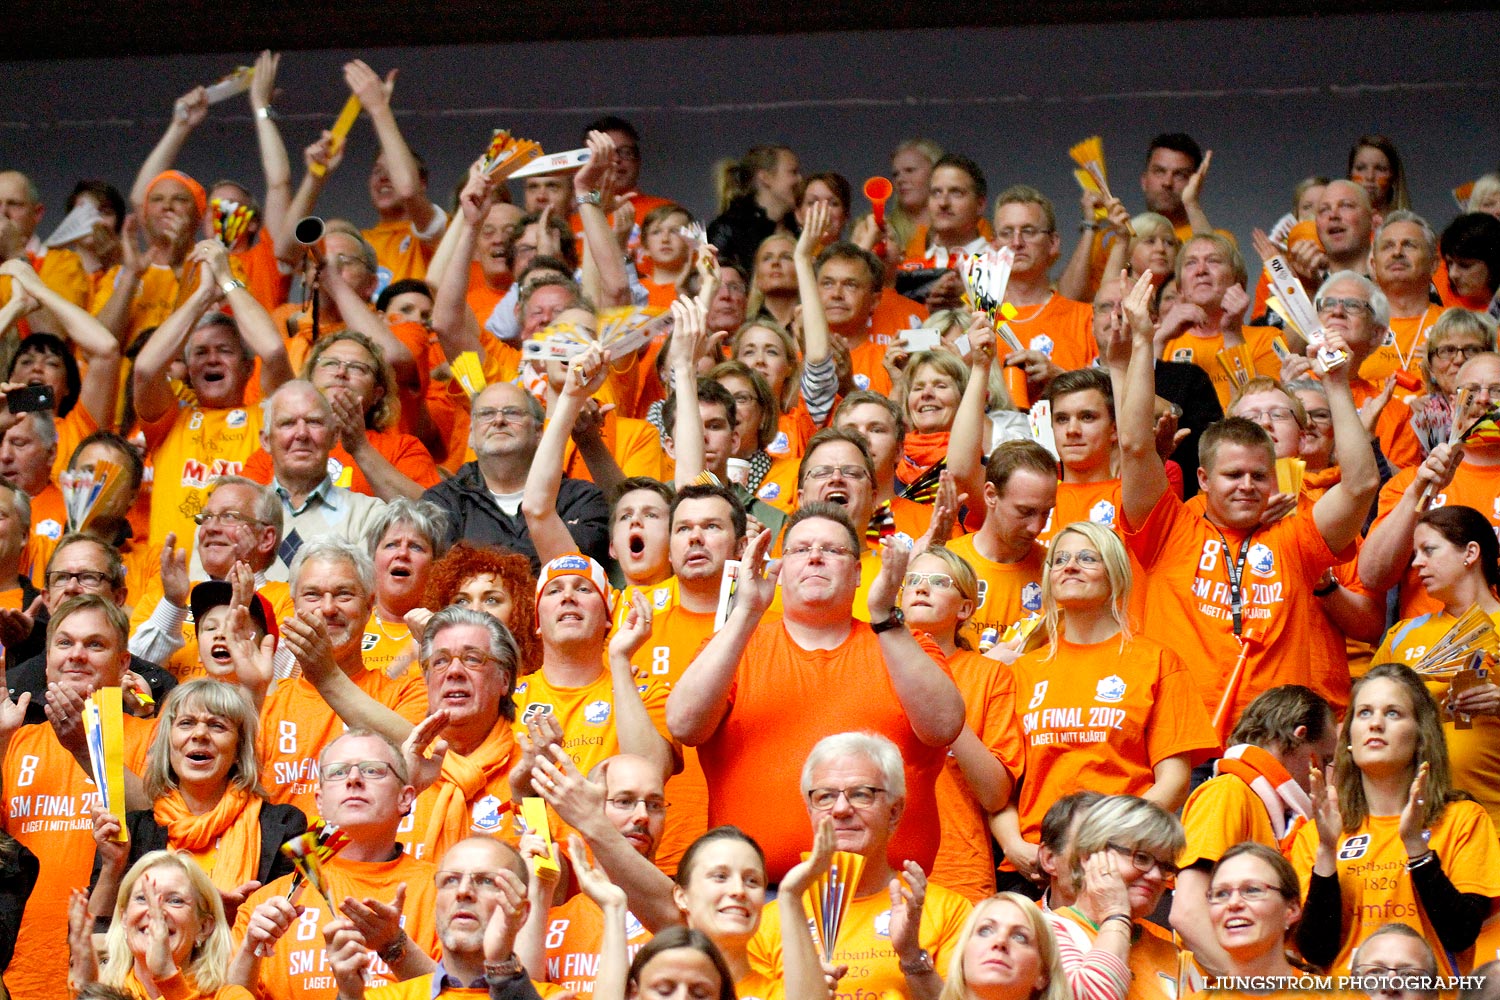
(1456, 337)
(1254, 901)
(1099, 707)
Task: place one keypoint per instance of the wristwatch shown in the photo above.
(265, 113)
(919, 966)
(231, 285)
(896, 619)
(588, 198)
(498, 972)
(391, 953)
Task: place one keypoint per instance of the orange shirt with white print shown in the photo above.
(867, 362)
(1398, 442)
(298, 966)
(1096, 502)
(893, 313)
(184, 664)
(398, 249)
(1102, 717)
(297, 724)
(488, 811)
(1473, 751)
(1061, 329)
(1204, 352)
(778, 488)
(1189, 565)
(1377, 889)
(864, 942)
(389, 648)
(1008, 592)
(575, 930)
(1401, 349)
(190, 447)
(793, 430)
(585, 714)
(964, 862)
(49, 522)
(47, 806)
(1476, 486)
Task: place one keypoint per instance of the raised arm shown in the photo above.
(375, 97)
(153, 396)
(814, 321)
(802, 970)
(359, 316)
(1143, 477)
(700, 698)
(687, 424)
(307, 638)
(1340, 513)
(1387, 550)
(257, 328)
(97, 347)
(1197, 218)
(275, 165)
(966, 442)
(633, 726)
(327, 154)
(457, 329)
(591, 184)
(188, 112)
(549, 533)
(934, 708)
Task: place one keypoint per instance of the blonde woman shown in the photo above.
(1006, 951)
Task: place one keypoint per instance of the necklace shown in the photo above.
(380, 624)
(1041, 309)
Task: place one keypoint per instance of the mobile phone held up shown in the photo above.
(30, 398)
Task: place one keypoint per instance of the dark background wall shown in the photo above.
(1275, 98)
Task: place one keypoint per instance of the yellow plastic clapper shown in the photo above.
(469, 372)
(340, 130)
(104, 729)
(534, 815)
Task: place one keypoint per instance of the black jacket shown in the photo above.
(739, 231)
(474, 517)
(278, 824)
(1189, 387)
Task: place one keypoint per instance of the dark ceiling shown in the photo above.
(56, 29)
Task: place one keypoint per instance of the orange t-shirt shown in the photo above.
(753, 761)
(1402, 348)
(585, 714)
(964, 861)
(259, 269)
(1096, 502)
(1375, 887)
(1008, 592)
(1398, 442)
(1188, 565)
(388, 647)
(1153, 956)
(1476, 486)
(488, 810)
(893, 313)
(49, 521)
(793, 430)
(481, 297)
(398, 251)
(1061, 329)
(1131, 709)
(62, 271)
(297, 724)
(867, 362)
(575, 930)
(1204, 352)
(155, 298)
(635, 445)
(47, 806)
(405, 452)
(1220, 813)
(298, 967)
(189, 447)
(71, 430)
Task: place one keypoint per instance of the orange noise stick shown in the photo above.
(878, 190)
(1223, 716)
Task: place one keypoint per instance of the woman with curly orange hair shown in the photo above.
(493, 581)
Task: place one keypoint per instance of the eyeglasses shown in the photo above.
(937, 581)
(345, 259)
(452, 881)
(1027, 233)
(509, 414)
(1447, 352)
(805, 551)
(1320, 416)
(859, 796)
(858, 473)
(1474, 389)
(369, 770)
(1084, 557)
(86, 578)
(1250, 892)
(1387, 972)
(327, 364)
(225, 517)
(1144, 861)
(470, 657)
(1272, 413)
(629, 804)
(1328, 304)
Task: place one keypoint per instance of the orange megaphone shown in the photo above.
(878, 189)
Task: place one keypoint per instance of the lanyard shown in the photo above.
(1236, 572)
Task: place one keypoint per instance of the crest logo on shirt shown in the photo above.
(1262, 560)
(49, 528)
(1354, 847)
(780, 444)
(369, 642)
(536, 710)
(904, 540)
(236, 418)
(861, 381)
(1390, 339)
(661, 597)
(633, 926)
(1103, 513)
(1110, 690)
(486, 814)
(1184, 354)
(596, 713)
(1440, 499)
(770, 491)
(1031, 597)
(405, 244)
(984, 590)
(883, 924)
(1042, 342)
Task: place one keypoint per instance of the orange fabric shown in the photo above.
(1375, 887)
(49, 522)
(1188, 595)
(920, 451)
(635, 445)
(231, 829)
(399, 251)
(71, 430)
(259, 269)
(659, 295)
(1096, 502)
(1406, 339)
(964, 861)
(1398, 442)
(298, 965)
(677, 635)
(189, 447)
(1008, 592)
(403, 451)
(1096, 716)
(470, 798)
(912, 518)
(793, 430)
(298, 724)
(388, 647)
(1220, 813)
(585, 714)
(179, 987)
(155, 298)
(893, 313)
(1153, 958)
(753, 761)
(779, 487)
(482, 298)
(184, 664)
(47, 806)
(1476, 486)
(575, 930)
(1061, 329)
(1203, 352)
(867, 361)
(62, 271)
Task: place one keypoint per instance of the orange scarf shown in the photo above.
(1315, 484)
(921, 450)
(464, 778)
(1287, 805)
(234, 823)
